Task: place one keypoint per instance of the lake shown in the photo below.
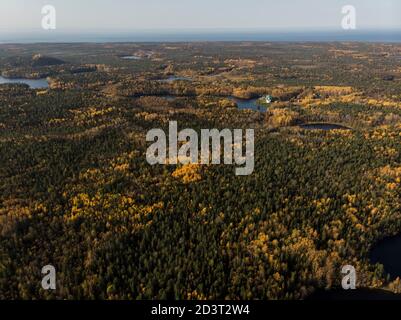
(323, 126)
(170, 98)
(248, 104)
(131, 58)
(175, 78)
(32, 83)
(388, 253)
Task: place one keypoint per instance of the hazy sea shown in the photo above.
(294, 36)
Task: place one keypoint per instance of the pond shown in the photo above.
(32, 83)
(248, 104)
(170, 98)
(323, 126)
(175, 78)
(131, 58)
(388, 253)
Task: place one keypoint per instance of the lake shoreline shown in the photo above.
(41, 83)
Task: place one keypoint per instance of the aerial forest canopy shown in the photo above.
(77, 192)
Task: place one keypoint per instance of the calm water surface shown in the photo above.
(32, 83)
(323, 126)
(248, 104)
(388, 253)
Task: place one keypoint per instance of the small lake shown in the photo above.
(32, 83)
(388, 253)
(323, 126)
(170, 98)
(131, 58)
(248, 104)
(175, 78)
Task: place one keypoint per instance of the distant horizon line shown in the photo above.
(205, 35)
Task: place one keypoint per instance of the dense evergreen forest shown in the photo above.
(77, 192)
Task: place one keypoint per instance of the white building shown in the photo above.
(268, 98)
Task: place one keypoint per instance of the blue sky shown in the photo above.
(137, 15)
